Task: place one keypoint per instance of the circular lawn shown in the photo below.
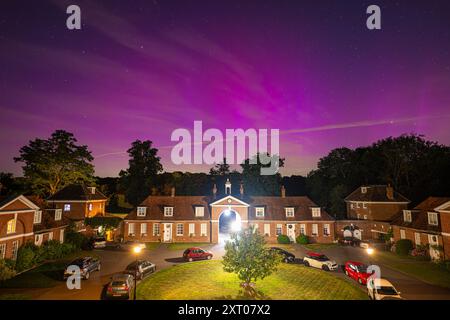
(206, 280)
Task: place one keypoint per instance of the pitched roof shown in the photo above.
(275, 209)
(419, 215)
(77, 192)
(375, 193)
(183, 208)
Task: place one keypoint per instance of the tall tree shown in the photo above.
(53, 163)
(220, 169)
(257, 184)
(140, 177)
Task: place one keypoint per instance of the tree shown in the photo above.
(141, 175)
(54, 163)
(247, 256)
(220, 169)
(6, 270)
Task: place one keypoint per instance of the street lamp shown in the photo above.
(136, 250)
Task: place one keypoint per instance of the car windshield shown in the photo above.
(118, 283)
(362, 268)
(388, 291)
(78, 262)
(322, 258)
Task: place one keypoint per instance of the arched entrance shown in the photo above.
(229, 222)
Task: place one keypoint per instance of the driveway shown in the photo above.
(114, 261)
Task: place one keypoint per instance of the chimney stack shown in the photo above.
(390, 192)
(283, 192)
(214, 190)
(241, 190)
(172, 192)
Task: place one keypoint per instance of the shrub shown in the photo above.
(6, 271)
(26, 257)
(283, 239)
(302, 239)
(421, 251)
(77, 240)
(403, 247)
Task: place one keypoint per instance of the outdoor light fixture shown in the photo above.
(136, 249)
(369, 251)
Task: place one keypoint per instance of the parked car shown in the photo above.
(142, 268)
(384, 291)
(357, 271)
(86, 265)
(319, 260)
(99, 243)
(120, 286)
(195, 253)
(287, 256)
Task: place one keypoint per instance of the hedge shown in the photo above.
(302, 239)
(6, 271)
(283, 239)
(403, 247)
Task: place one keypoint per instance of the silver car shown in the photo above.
(121, 286)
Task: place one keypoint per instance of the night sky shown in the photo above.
(140, 69)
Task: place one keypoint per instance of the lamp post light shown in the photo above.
(370, 252)
(136, 251)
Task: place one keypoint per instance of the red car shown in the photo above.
(357, 271)
(195, 253)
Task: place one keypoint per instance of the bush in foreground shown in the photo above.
(6, 271)
(302, 239)
(283, 239)
(403, 247)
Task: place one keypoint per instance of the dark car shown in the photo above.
(142, 268)
(192, 254)
(86, 265)
(287, 256)
(121, 286)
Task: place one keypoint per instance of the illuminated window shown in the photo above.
(303, 228)
(180, 229)
(58, 214)
(156, 229)
(67, 207)
(2, 250)
(326, 229)
(402, 234)
(191, 229)
(433, 218)
(141, 211)
(315, 212)
(143, 228)
(315, 229)
(37, 216)
(289, 212)
(279, 229)
(131, 228)
(90, 206)
(259, 212)
(199, 211)
(11, 227)
(168, 211)
(203, 230)
(267, 229)
(417, 238)
(15, 248)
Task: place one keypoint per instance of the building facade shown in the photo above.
(205, 218)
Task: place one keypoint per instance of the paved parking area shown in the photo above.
(114, 261)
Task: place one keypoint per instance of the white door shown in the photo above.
(167, 232)
(433, 241)
(291, 231)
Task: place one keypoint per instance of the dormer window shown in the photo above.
(259, 212)
(37, 217)
(168, 211)
(433, 219)
(199, 211)
(58, 214)
(141, 211)
(91, 190)
(315, 212)
(363, 189)
(289, 212)
(407, 217)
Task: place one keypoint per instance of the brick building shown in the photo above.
(206, 218)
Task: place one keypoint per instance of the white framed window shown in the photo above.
(50, 236)
(203, 230)
(61, 235)
(365, 217)
(363, 189)
(156, 229)
(358, 205)
(407, 217)
(433, 219)
(199, 211)
(37, 217)
(364, 205)
(352, 205)
(259, 212)
(143, 228)
(326, 229)
(38, 239)
(267, 229)
(2, 250)
(141, 211)
(11, 226)
(303, 229)
(315, 229)
(289, 212)
(131, 228)
(67, 207)
(315, 212)
(402, 234)
(417, 238)
(192, 229)
(15, 248)
(279, 229)
(90, 206)
(180, 229)
(91, 190)
(358, 216)
(58, 214)
(168, 211)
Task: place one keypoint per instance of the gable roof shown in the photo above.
(431, 203)
(6, 201)
(375, 193)
(77, 192)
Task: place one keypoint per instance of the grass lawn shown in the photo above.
(46, 275)
(319, 246)
(422, 270)
(14, 296)
(183, 246)
(152, 245)
(206, 280)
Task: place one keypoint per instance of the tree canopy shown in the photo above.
(53, 163)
